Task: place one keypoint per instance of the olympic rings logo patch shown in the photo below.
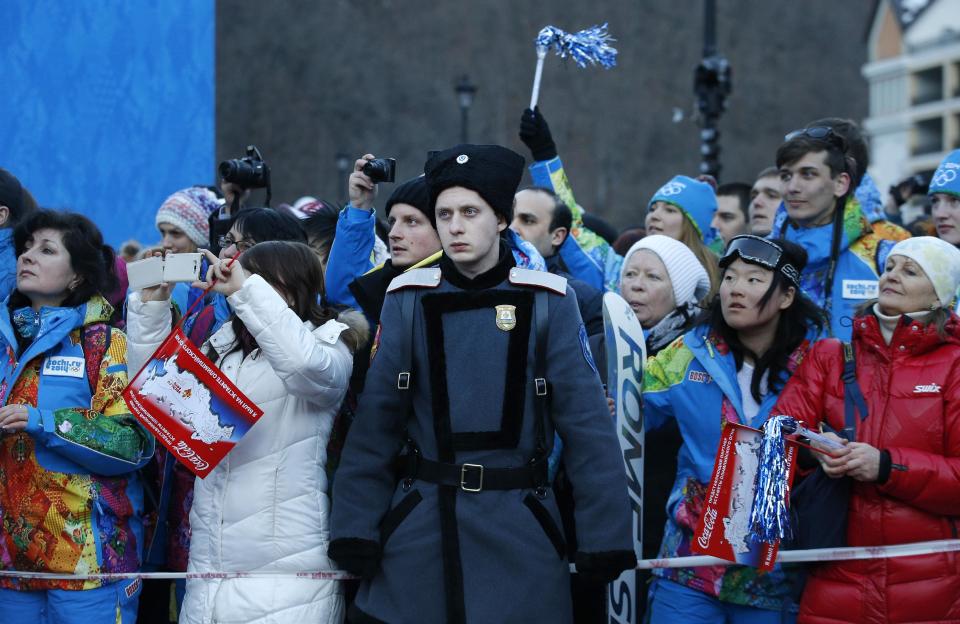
(944, 175)
(671, 188)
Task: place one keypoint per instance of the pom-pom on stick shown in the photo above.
(770, 516)
(590, 45)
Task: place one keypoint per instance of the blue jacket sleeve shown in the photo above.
(366, 477)
(585, 253)
(350, 254)
(105, 439)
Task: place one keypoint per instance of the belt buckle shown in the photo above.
(463, 477)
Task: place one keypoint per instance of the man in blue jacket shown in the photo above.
(479, 363)
(843, 264)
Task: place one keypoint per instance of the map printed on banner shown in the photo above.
(189, 405)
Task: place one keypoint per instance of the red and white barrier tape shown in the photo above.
(787, 556)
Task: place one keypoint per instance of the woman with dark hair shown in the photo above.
(168, 543)
(729, 368)
(70, 497)
(265, 507)
(904, 462)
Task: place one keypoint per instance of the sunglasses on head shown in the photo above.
(820, 133)
(761, 252)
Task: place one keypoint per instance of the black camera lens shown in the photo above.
(381, 169)
(249, 172)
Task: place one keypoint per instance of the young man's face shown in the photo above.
(532, 215)
(411, 237)
(765, 197)
(729, 219)
(810, 193)
(469, 230)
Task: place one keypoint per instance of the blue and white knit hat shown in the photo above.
(946, 179)
(696, 199)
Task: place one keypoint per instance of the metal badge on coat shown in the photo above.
(506, 317)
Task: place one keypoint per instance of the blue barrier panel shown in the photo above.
(108, 105)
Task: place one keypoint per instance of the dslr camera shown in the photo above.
(249, 172)
(381, 169)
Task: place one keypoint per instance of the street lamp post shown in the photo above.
(712, 85)
(342, 160)
(465, 91)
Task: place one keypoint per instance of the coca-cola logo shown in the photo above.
(188, 453)
(709, 520)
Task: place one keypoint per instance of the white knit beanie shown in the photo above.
(939, 260)
(687, 276)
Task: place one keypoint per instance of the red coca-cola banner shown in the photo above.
(724, 529)
(189, 404)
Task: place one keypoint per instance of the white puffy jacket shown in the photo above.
(266, 506)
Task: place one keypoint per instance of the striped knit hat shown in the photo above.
(687, 276)
(189, 210)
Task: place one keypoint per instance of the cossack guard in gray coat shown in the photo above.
(460, 551)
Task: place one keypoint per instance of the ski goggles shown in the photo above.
(820, 133)
(761, 252)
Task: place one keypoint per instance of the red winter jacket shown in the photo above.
(912, 391)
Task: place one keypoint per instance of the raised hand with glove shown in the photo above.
(535, 134)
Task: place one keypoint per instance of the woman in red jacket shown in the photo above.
(905, 462)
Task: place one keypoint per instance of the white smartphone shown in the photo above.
(184, 267)
(145, 273)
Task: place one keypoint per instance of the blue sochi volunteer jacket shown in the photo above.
(861, 260)
(71, 497)
(694, 380)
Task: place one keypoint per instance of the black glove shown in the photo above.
(535, 134)
(357, 556)
(604, 567)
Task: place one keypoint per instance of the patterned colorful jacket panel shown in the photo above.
(71, 499)
(912, 392)
(695, 371)
(862, 255)
(587, 255)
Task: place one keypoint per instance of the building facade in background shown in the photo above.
(913, 69)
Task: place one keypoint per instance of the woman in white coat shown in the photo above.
(265, 508)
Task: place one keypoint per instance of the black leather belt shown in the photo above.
(474, 477)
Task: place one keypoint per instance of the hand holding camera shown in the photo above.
(368, 171)
(155, 275)
(226, 276)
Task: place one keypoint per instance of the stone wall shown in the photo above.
(305, 79)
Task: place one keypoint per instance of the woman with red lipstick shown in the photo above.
(905, 462)
(729, 368)
(71, 495)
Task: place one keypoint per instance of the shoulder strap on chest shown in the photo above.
(853, 400)
(416, 278)
(95, 340)
(538, 279)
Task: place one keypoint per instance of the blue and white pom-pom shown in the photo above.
(591, 45)
(770, 517)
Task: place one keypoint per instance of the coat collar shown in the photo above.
(910, 336)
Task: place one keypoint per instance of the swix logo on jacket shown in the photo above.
(932, 388)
